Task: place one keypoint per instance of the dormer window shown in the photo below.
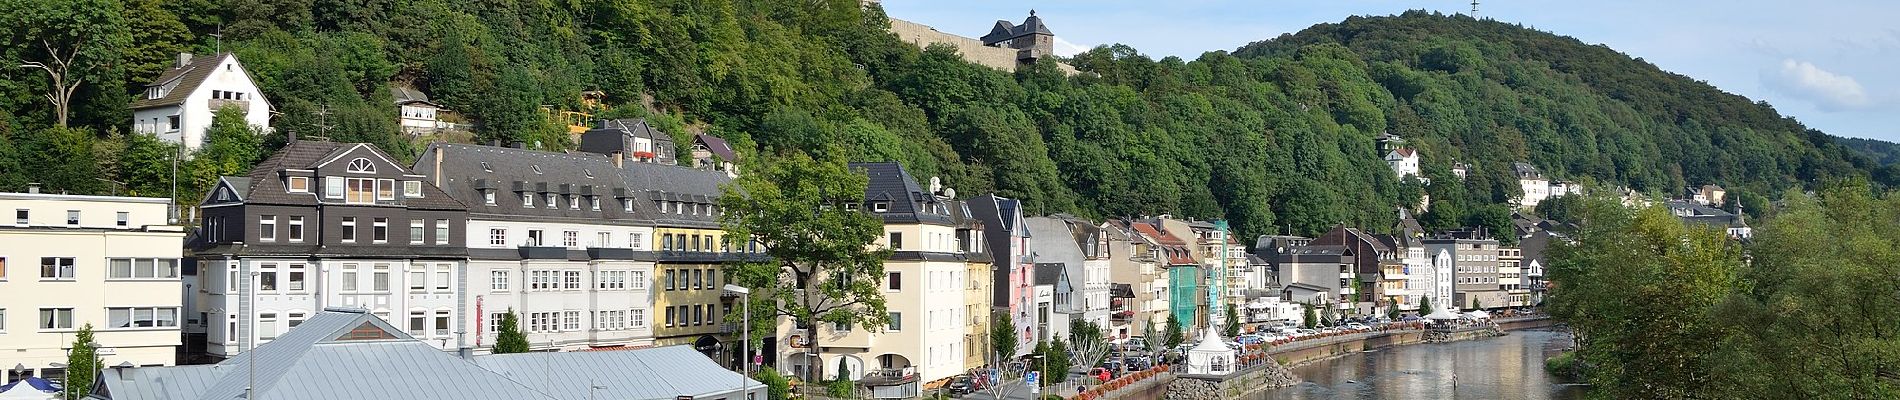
(880, 207)
(573, 202)
(297, 184)
(626, 205)
(488, 197)
(527, 200)
(552, 202)
(850, 206)
(361, 166)
(412, 189)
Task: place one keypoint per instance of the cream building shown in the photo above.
(70, 261)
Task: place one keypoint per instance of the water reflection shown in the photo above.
(1508, 367)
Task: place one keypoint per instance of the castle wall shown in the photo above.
(971, 49)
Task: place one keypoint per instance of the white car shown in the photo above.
(1358, 326)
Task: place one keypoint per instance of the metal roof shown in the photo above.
(661, 373)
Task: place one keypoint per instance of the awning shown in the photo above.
(1442, 314)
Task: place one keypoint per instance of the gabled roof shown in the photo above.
(468, 170)
(717, 146)
(1051, 241)
(405, 95)
(1004, 31)
(647, 374)
(266, 184)
(666, 182)
(906, 202)
(1402, 152)
(1050, 273)
(188, 77)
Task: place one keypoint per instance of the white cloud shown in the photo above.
(1066, 49)
(1827, 90)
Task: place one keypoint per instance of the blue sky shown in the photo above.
(1829, 64)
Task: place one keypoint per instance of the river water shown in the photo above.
(1506, 367)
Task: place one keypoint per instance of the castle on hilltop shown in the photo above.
(1006, 47)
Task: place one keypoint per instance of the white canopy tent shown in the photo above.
(1442, 314)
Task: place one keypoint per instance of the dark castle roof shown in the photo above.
(1004, 31)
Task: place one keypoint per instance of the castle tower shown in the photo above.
(1032, 39)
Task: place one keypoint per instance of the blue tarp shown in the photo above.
(35, 382)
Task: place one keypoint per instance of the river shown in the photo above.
(1507, 367)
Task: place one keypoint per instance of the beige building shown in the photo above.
(70, 261)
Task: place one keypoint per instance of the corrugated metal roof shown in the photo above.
(660, 373)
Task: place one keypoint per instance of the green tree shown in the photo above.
(508, 337)
(820, 271)
(62, 159)
(776, 386)
(1232, 327)
(841, 386)
(1392, 309)
(1175, 333)
(1639, 290)
(1424, 305)
(82, 364)
(1055, 367)
(232, 146)
(147, 165)
(67, 44)
(1312, 318)
(1002, 337)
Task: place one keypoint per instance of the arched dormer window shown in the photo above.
(361, 166)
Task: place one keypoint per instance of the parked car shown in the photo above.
(962, 385)
(1357, 326)
(1249, 339)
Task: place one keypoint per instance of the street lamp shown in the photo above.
(745, 357)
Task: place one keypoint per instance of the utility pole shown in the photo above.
(1474, 9)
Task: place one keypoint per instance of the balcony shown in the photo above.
(543, 253)
(216, 104)
(610, 253)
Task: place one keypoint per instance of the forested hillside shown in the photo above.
(1276, 136)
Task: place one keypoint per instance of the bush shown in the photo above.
(841, 388)
(776, 386)
(1565, 365)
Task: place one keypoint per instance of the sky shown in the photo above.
(1830, 64)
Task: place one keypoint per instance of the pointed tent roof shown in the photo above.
(1442, 314)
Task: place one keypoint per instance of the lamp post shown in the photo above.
(745, 357)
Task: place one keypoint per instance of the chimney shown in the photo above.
(33, 187)
(183, 60)
(518, 144)
(290, 136)
(619, 159)
(438, 166)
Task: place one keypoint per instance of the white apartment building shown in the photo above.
(70, 261)
(178, 106)
(557, 238)
(1403, 161)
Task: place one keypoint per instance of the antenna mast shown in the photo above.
(1474, 9)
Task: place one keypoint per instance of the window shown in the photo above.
(3, 278)
(141, 317)
(663, 207)
(636, 241)
(267, 228)
(669, 279)
(441, 231)
(498, 281)
(626, 205)
(602, 239)
(266, 326)
(72, 217)
(897, 321)
(442, 279)
(894, 281)
(267, 279)
(296, 277)
(171, 121)
(56, 318)
(418, 322)
(543, 322)
(441, 322)
(574, 202)
(593, 203)
(699, 278)
(610, 320)
(360, 191)
(418, 280)
(637, 317)
(124, 219)
(296, 229)
(349, 278)
(570, 320)
(361, 166)
(380, 230)
(349, 229)
(637, 282)
(494, 322)
(535, 237)
(141, 268)
(552, 202)
(666, 241)
(570, 239)
(497, 237)
(488, 197)
(3, 320)
(571, 280)
(417, 232)
(669, 317)
(543, 279)
(294, 319)
(379, 280)
(411, 189)
(699, 314)
(880, 206)
(297, 184)
(527, 200)
(19, 216)
(56, 268)
(611, 280)
(897, 240)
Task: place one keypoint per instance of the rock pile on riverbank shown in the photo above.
(1270, 375)
(1192, 389)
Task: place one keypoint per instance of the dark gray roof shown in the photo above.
(468, 170)
(717, 146)
(408, 95)
(907, 202)
(663, 182)
(1525, 170)
(1050, 273)
(1004, 30)
(266, 181)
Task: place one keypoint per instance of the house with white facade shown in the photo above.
(1535, 187)
(416, 115)
(69, 261)
(177, 107)
(1404, 162)
(563, 240)
(321, 224)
